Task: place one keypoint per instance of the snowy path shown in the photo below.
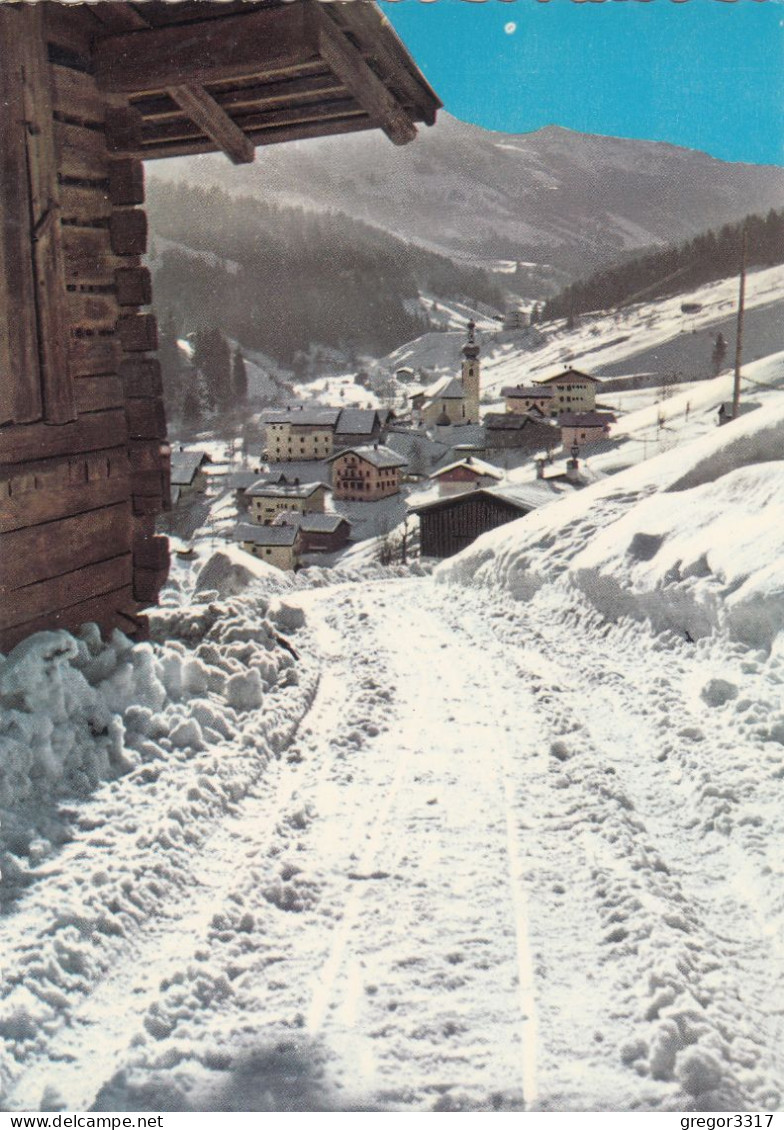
(491, 871)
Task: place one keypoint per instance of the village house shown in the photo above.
(358, 426)
(268, 499)
(238, 483)
(319, 533)
(277, 545)
(524, 399)
(300, 434)
(466, 474)
(572, 390)
(582, 428)
(187, 474)
(448, 525)
(452, 400)
(365, 474)
(88, 93)
(528, 432)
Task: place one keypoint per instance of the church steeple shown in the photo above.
(471, 349)
(470, 376)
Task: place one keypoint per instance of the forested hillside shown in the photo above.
(280, 279)
(714, 255)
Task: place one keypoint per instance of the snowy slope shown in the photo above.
(503, 838)
(689, 539)
(610, 342)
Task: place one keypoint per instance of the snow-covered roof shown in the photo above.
(321, 523)
(586, 419)
(527, 392)
(184, 465)
(528, 496)
(306, 470)
(266, 535)
(306, 417)
(263, 488)
(377, 455)
(241, 480)
(523, 496)
(513, 421)
(452, 390)
(357, 421)
(569, 374)
(433, 390)
(471, 463)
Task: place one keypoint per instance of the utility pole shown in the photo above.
(739, 335)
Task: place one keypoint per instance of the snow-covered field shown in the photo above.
(504, 837)
(596, 342)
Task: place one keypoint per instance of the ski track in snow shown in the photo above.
(481, 877)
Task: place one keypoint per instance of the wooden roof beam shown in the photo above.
(288, 92)
(204, 111)
(250, 123)
(301, 131)
(347, 64)
(265, 41)
(381, 44)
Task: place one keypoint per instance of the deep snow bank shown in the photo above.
(76, 711)
(691, 540)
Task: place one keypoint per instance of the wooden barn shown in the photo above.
(448, 525)
(88, 92)
(521, 431)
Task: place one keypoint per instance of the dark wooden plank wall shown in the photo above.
(78, 497)
(449, 529)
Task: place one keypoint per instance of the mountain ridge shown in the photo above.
(561, 202)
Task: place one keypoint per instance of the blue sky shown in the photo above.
(706, 74)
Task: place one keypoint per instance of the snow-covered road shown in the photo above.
(487, 872)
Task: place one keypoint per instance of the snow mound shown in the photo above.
(692, 541)
(714, 561)
(231, 571)
(76, 711)
(60, 703)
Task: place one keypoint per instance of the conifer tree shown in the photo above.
(191, 402)
(239, 377)
(212, 357)
(171, 363)
(719, 353)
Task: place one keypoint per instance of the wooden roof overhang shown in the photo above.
(202, 76)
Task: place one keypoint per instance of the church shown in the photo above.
(452, 400)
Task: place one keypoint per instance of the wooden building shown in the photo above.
(277, 545)
(521, 431)
(356, 427)
(466, 474)
(323, 533)
(583, 428)
(187, 473)
(365, 474)
(87, 93)
(449, 525)
(269, 499)
(522, 399)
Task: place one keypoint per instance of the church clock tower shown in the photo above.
(470, 376)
